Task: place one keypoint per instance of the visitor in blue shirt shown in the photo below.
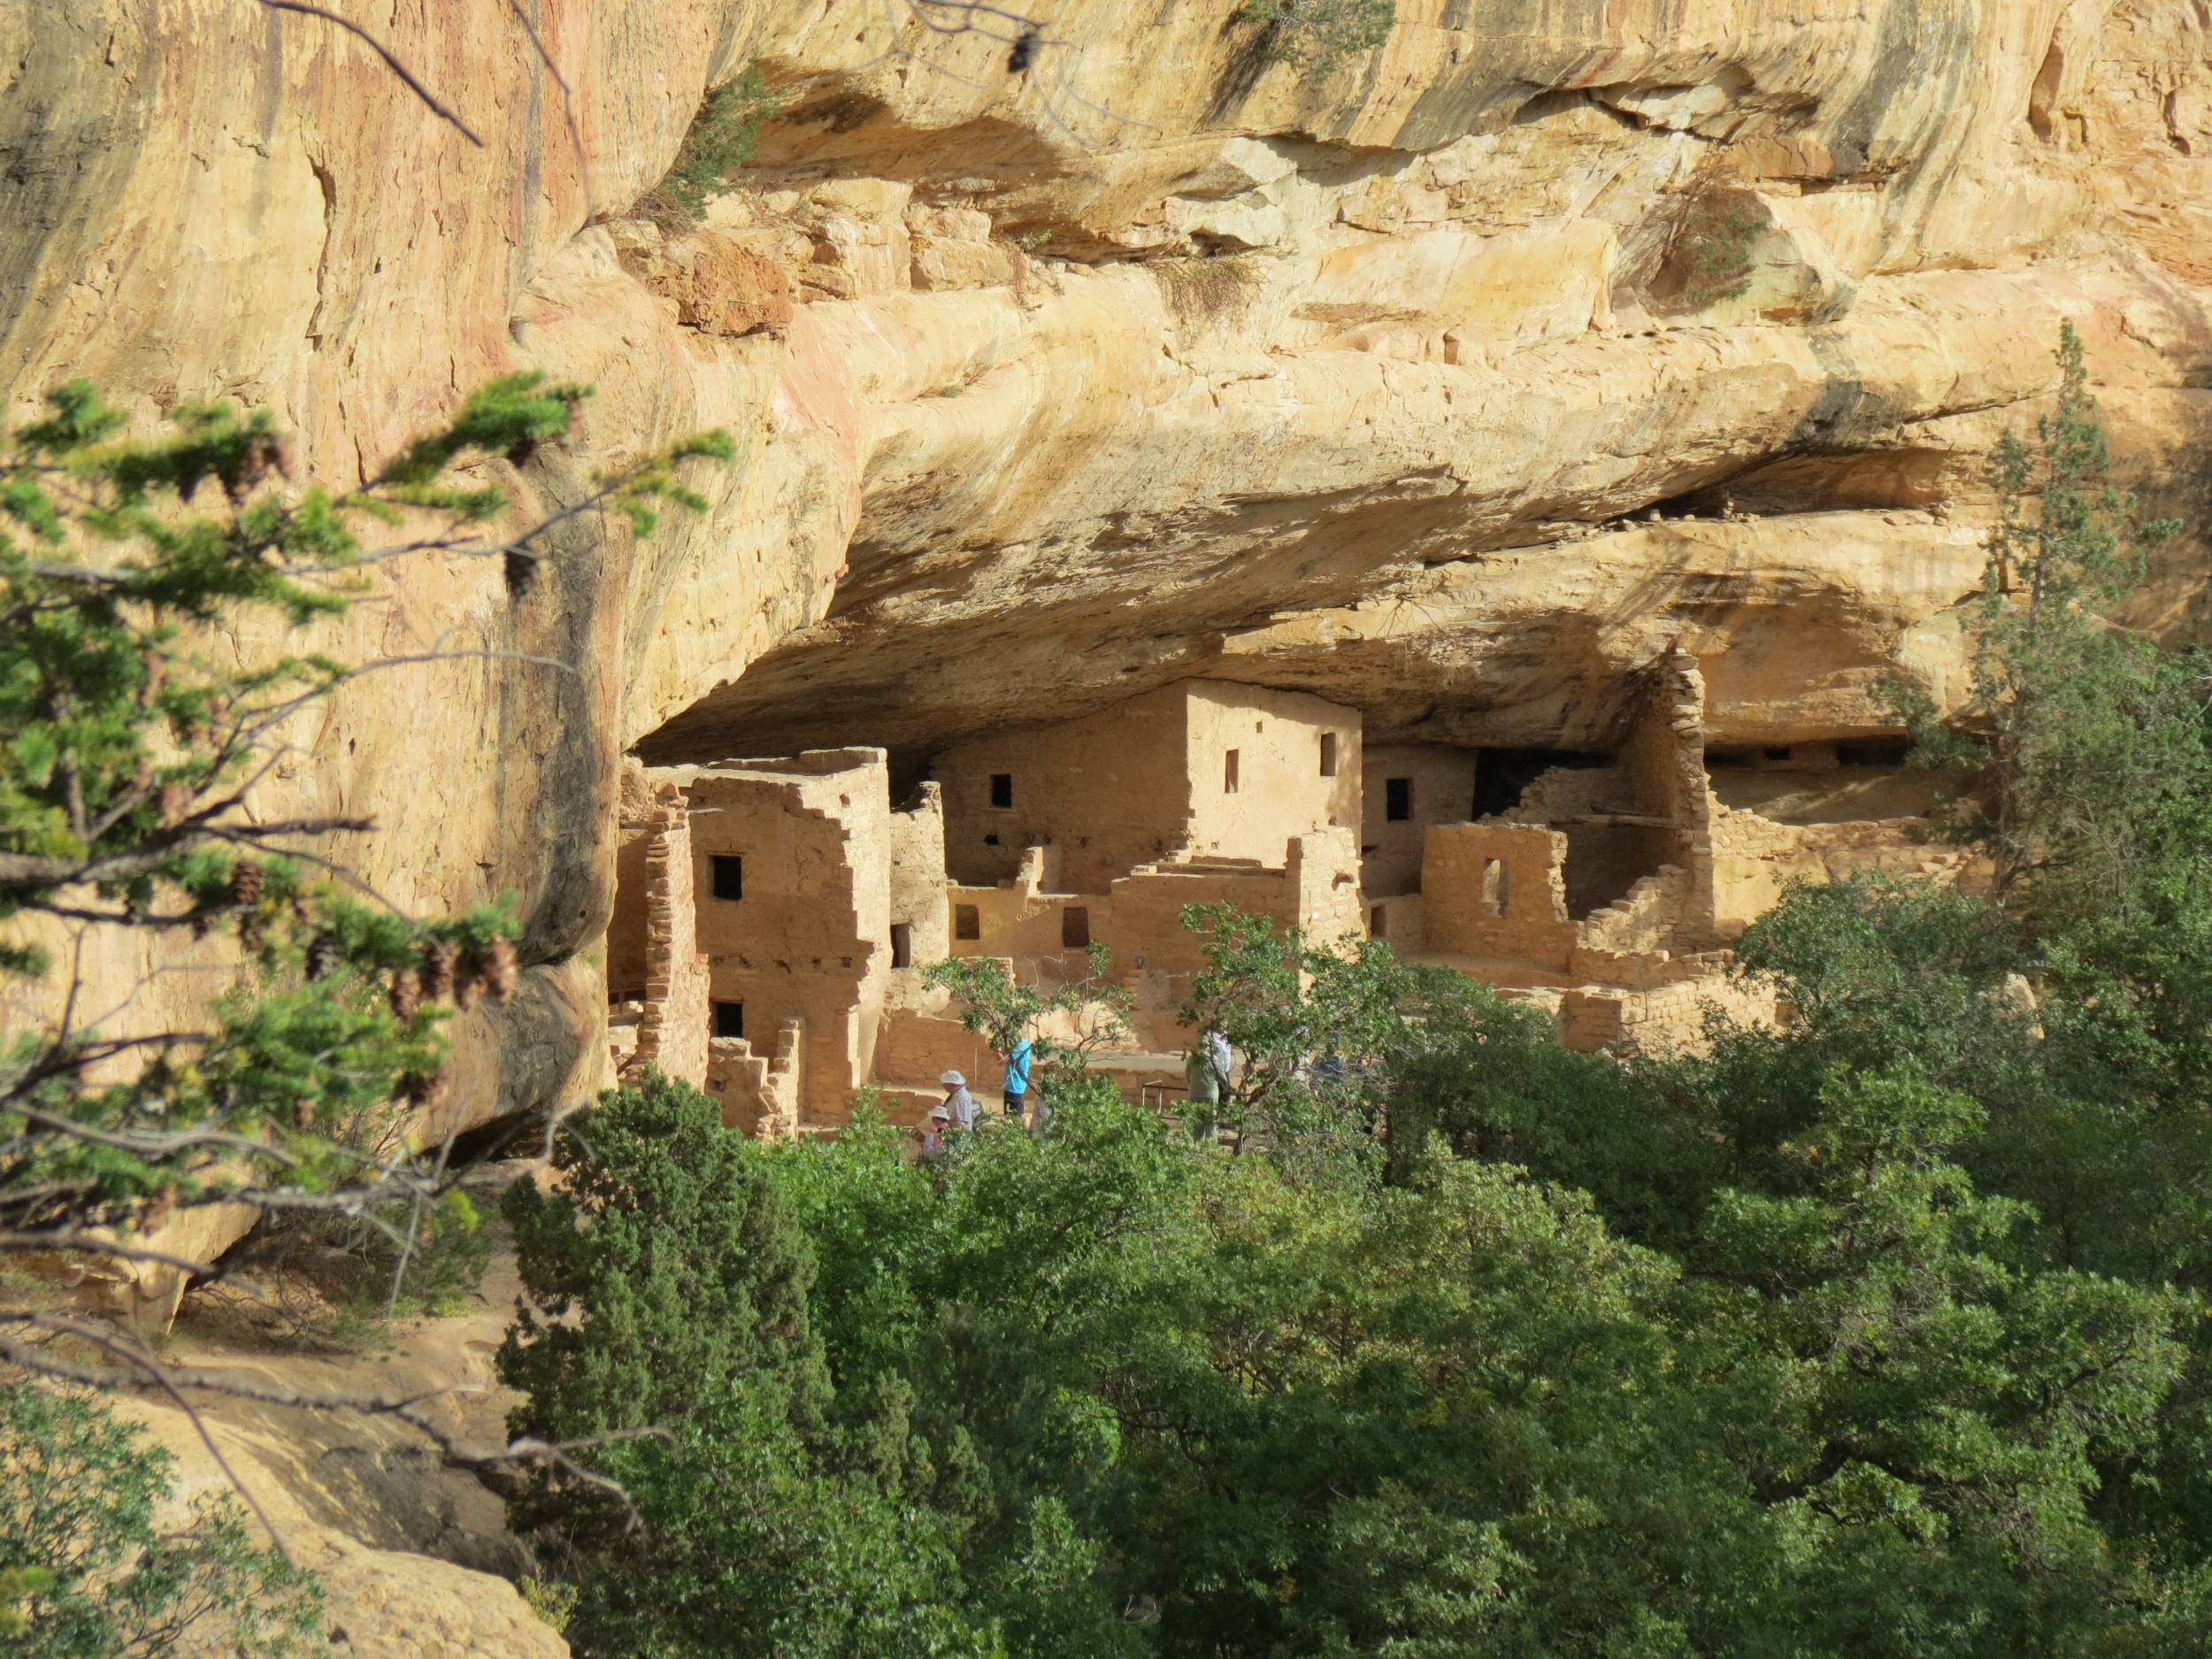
(1016, 1077)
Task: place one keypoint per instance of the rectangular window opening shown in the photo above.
(728, 872)
(1397, 799)
(966, 924)
(902, 944)
(1497, 887)
(1229, 772)
(1001, 789)
(1075, 928)
(1328, 754)
(729, 1020)
(1375, 922)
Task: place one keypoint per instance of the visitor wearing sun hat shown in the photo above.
(959, 1104)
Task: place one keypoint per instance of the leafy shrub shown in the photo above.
(1718, 241)
(1318, 36)
(721, 139)
(94, 1578)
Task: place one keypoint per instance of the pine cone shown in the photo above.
(464, 985)
(324, 954)
(521, 571)
(499, 970)
(419, 1088)
(438, 959)
(246, 881)
(406, 994)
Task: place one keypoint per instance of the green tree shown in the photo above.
(732, 1505)
(97, 1579)
(1066, 1024)
(128, 755)
(2081, 733)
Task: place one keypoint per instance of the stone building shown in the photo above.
(774, 918)
(805, 889)
(1405, 787)
(1611, 892)
(1200, 769)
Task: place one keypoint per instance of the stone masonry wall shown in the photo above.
(672, 1032)
(1525, 921)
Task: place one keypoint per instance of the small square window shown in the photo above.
(1002, 788)
(729, 1020)
(902, 944)
(1397, 799)
(1328, 754)
(1229, 772)
(966, 923)
(990, 840)
(1075, 928)
(728, 875)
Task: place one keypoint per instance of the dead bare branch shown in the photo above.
(391, 62)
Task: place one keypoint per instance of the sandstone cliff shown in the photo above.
(1459, 384)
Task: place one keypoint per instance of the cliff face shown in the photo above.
(1155, 358)
(1459, 385)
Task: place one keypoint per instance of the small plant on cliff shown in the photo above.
(721, 139)
(1719, 245)
(79, 1490)
(274, 1054)
(1319, 37)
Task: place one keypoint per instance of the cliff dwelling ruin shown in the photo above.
(774, 917)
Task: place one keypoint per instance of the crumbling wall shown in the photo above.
(671, 1032)
(1672, 1016)
(916, 898)
(1495, 891)
(1755, 858)
(1439, 785)
(762, 1095)
(1025, 920)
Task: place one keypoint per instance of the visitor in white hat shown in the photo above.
(932, 1133)
(959, 1104)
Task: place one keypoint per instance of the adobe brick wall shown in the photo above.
(672, 1031)
(1145, 783)
(1459, 918)
(1442, 782)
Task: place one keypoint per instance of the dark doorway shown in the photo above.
(1075, 928)
(902, 944)
(729, 1020)
(1397, 799)
(728, 875)
(1502, 775)
(1002, 788)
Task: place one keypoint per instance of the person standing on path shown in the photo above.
(1206, 1077)
(959, 1104)
(1017, 1058)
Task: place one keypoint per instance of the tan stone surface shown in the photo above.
(411, 1552)
(1356, 364)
